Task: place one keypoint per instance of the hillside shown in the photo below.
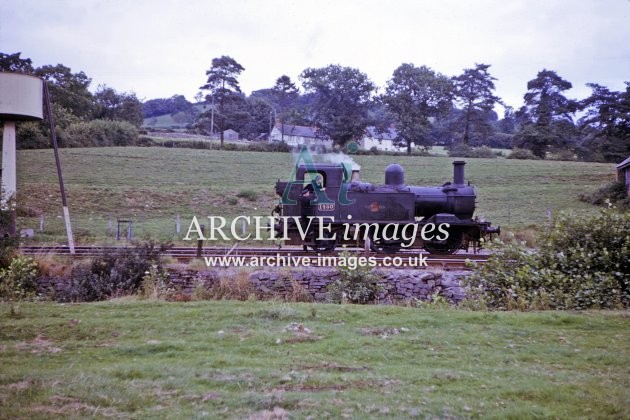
(152, 185)
(173, 121)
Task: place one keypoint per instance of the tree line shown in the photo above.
(424, 106)
(82, 118)
(427, 108)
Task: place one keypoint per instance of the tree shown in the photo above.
(223, 85)
(606, 123)
(111, 105)
(67, 89)
(473, 90)
(284, 93)
(544, 100)
(163, 106)
(414, 95)
(14, 63)
(260, 117)
(340, 101)
(547, 113)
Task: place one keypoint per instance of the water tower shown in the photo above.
(21, 99)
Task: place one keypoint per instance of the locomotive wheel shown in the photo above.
(326, 244)
(384, 248)
(448, 246)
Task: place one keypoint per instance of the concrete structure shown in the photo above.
(21, 99)
(297, 135)
(623, 173)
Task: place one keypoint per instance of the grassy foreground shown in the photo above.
(254, 359)
(152, 185)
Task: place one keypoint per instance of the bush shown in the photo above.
(8, 244)
(233, 286)
(354, 286)
(18, 281)
(30, 136)
(614, 193)
(100, 133)
(522, 154)
(463, 150)
(562, 155)
(583, 262)
(117, 272)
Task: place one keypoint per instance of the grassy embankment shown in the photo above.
(236, 359)
(152, 185)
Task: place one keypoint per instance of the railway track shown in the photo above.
(281, 257)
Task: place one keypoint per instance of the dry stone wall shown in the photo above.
(396, 285)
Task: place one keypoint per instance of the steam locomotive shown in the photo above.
(361, 214)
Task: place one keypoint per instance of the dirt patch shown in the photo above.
(383, 332)
(362, 384)
(18, 386)
(38, 345)
(67, 406)
(301, 334)
(277, 413)
(299, 338)
(333, 367)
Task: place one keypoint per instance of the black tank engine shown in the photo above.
(361, 214)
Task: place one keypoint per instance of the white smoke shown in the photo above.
(339, 158)
(328, 158)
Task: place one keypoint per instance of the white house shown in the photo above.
(296, 135)
(382, 141)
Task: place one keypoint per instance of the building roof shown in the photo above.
(624, 164)
(389, 134)
(297, 130)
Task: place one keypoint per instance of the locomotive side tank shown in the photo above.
(336, 192)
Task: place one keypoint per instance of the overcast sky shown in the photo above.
(159, 48)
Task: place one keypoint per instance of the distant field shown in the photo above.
(152, 185)
(167, 120)
(228, 359)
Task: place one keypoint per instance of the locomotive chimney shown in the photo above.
(458, 173)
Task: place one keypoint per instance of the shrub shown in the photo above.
(614, 193)
(115, 273)
(100, 133)
(562, 155)
(232, 286)
(8, 244)
(354, 286)
(30, 136)
(18, 281)
(583, 262)
(591, 256)
(153, 283)
(463, 150)
(522, 154)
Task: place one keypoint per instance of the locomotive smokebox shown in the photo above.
(458, 173)
(394, 175)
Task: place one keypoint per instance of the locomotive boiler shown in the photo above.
(378, 216)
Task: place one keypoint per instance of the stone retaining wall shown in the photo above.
(396, 285)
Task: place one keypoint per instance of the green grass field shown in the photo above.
(152, 185)
(146, 359)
